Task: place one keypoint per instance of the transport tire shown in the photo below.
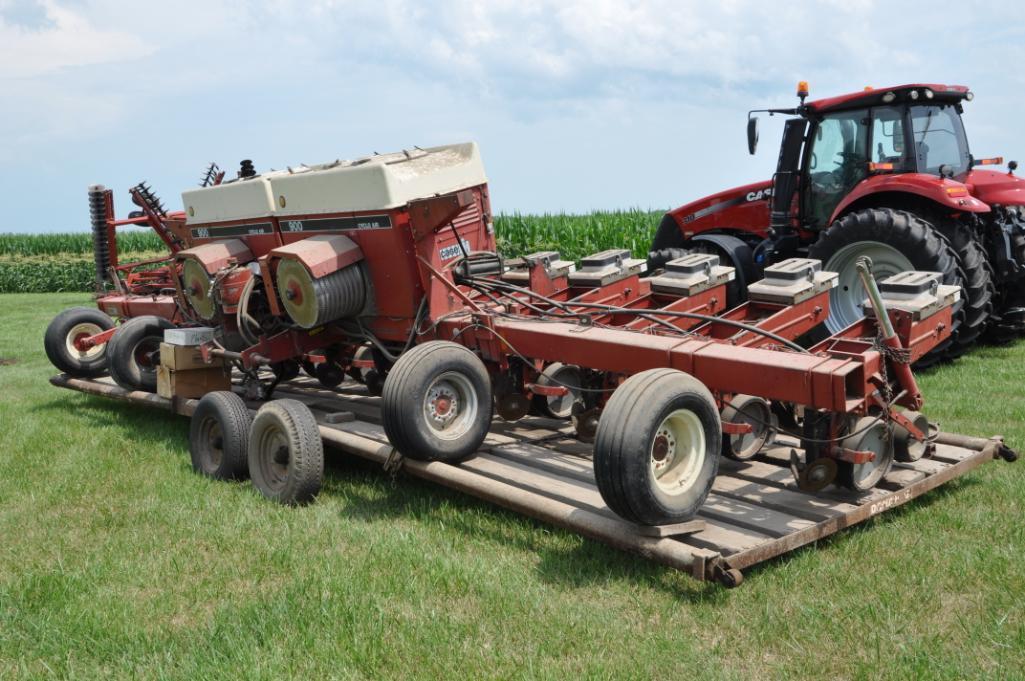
(65, 329)
(868, 433)
(219, 436)
(285, 453)
(558, 374)
(133, 352)
(755, 412)
(437, 402)
(656, 452)
(979, 289)
(896, 241)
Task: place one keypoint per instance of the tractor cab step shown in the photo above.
(792, 281)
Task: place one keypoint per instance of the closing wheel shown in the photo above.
(133, 352)
(905, 447)
(198, 289)
(656, 452)
(219, 436)
(69, 327)
(437, 402)
(286, 454)
(558, 374)
(752, 411)
(870, 434)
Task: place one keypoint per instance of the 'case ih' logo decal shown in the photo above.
(760, 195)
(336, 224)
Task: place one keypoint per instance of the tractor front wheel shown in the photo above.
(896, 241)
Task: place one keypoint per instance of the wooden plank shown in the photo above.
(800, 504)
(544, 458)
(726, 539)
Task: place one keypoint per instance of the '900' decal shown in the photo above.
(336, 224)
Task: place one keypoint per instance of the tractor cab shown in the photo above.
(838, 143)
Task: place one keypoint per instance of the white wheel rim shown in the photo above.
(874, 440)
(845, 300)
(450, 406)
(566, 377)
(78, 331)
(678, 452)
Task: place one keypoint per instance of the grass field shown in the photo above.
(49, 263)
(117, 561)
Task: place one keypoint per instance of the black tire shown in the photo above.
(286, 454)
(430, 429)
(133, 353)
(628, 443)
(219, 436)
(657, 259)
(60, 336)
(917, 240)
(979, 289)
(286, 370)
(1008, 321)
(330, 374)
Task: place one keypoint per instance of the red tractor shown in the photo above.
(884, 173)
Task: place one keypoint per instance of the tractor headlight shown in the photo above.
(969, 96)
(929, 94)
(913, 94)
(889, 97)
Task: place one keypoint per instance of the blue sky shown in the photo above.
(577, 105)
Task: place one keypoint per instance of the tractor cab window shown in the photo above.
(837, 161)
(888, 136)
(939, 139)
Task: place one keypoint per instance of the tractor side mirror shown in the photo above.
(752, 134)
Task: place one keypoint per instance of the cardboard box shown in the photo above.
(182, 357)
(196, 335)
(189, 383)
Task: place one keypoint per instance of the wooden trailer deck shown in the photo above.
(536, 467)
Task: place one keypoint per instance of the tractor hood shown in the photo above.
(996, 188)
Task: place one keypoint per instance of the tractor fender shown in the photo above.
(217, 255)
(738, 251)
(947, 193)
(321, 254)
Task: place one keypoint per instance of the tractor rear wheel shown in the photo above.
(70, 326)
(1008, 319)
(656, 452)
(896, 241)
(134, 352)
(979, 291)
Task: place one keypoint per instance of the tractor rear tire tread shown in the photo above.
(917, 239)
(979, 287)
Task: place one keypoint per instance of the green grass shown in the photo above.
(117, 561)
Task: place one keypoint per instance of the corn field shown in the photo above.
(49, 263)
